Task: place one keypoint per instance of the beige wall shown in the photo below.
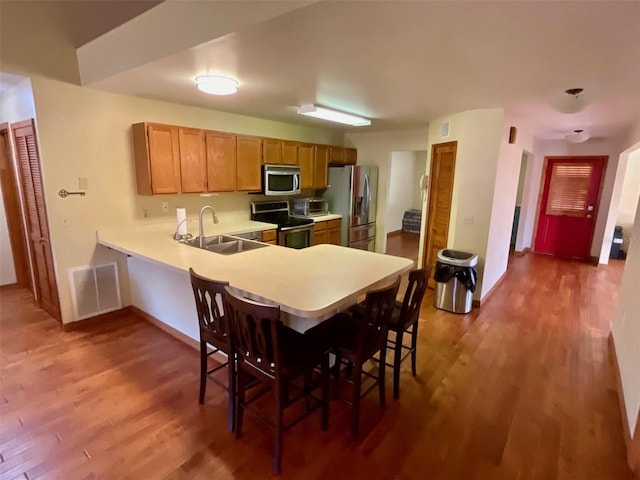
(87, 133)
(374, 149)
(478, 135)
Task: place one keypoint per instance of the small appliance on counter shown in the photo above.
(309, 207)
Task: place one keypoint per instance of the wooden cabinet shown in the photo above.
(289, 153)
(249, 158)
(321, 163)
(269, 236)
(320, 233)
(333, 231)
(305, 160)
(327, 231)
(336, 155)
(193, 162)
(171, 159)
(157, 158)
(221, 162)
(271, 151)
(350, 156)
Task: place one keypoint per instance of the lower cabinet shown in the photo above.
(327, 231)
(269, 236)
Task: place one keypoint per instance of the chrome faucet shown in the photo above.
(200, 227)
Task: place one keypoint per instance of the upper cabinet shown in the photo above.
(157, 158)
(271, 151)
(193, 161)
(305, 160)
(221, 162)
(342, 156)
(171, 159)
(289, 153)
(350, 156)
(321, 163)
(249, 156)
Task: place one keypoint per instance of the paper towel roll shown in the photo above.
(181, 221)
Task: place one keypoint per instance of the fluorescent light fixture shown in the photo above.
(333, 115)
(577, 136)
(216, 85)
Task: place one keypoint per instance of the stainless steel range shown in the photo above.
(293, 232)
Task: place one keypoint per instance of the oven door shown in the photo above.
(295, 237)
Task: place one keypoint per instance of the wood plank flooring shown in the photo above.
(522, 389)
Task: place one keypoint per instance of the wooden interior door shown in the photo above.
(28, 159)
(443, 162)
(11, 200)
(568, 206)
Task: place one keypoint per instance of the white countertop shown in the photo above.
(328, 216)
(314, 282)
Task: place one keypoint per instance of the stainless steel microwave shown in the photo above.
(280, 179)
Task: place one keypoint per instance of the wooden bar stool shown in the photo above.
(359, 335)
(208, 295)
(275, 355)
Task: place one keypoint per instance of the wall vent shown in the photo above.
(94, 290)
(444, 129)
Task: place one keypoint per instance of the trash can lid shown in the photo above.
(457, 258)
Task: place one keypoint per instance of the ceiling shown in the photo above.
(404, 64)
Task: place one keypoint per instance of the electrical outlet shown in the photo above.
(468, 220)
(165, 207)
(83, 184)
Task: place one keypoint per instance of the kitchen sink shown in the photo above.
(225, 244)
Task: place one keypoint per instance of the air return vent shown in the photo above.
(444, 129)
(94, 290)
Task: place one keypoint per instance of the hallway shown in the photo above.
(523, 388)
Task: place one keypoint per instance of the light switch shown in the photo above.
(83, 184)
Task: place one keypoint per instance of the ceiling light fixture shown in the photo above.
(577, 136)
(216, 85)
(333, 115)
(574, 101)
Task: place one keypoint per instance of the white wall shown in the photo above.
(611, 186)
(504, 203)
(87, 133)
(375, 149)
(626, 327)
(630, 192)
(421, 167)
(402, 185)
(16, 104)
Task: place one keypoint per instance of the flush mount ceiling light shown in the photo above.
(573, 101)
(216, 85)
(311, 110)
(577, 136)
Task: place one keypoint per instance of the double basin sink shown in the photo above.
(225, 244)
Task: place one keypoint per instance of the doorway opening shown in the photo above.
(405, 202)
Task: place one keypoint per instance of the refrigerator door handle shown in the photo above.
(367, 193)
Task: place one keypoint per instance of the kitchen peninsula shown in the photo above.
(310, 284)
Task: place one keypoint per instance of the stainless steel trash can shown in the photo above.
(455, 277)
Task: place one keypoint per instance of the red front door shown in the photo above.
(569, 205)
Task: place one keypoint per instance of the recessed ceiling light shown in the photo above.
(216, 85)
(311, 110)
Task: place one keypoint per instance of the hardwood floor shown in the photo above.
(403, 244)
(522, 389)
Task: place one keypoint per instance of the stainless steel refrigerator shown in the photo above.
(352, 193)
